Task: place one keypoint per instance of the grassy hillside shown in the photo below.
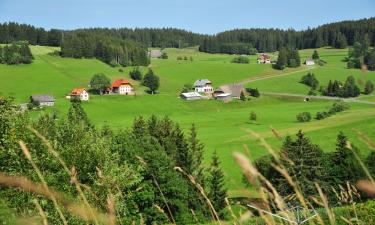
(222, 126)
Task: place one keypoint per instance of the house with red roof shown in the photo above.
(122, 87)
(264, 59)
(79, 93)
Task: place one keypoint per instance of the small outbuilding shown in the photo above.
(225, 97)
(234, 89)
(42, 100)
(191, 96)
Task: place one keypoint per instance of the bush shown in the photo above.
(253, 92)
(179, 57)
(321, 115)
(304, 117)
(121, 70)
(310, 80)
(164, 55)
(312, 92)
(241, 59)
(135, 74)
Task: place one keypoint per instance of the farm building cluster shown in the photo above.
(203, 89)
(119, 86)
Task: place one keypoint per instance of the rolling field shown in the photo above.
(224, 127)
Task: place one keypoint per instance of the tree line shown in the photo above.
(142, 167)
(150, 37)
(16, 53)
(337, 35)
(306, 163)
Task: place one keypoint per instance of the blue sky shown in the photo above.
(203, 16)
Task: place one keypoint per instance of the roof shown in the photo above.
(264, 56)
(42, 98)
(77, 91)
(309, 59)
(224, 95)
(155, 53)
(202, 82)
(234, 89)
(117, 83)
(191, 94)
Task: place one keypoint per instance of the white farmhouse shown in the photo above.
(122, 87)
(309, 62)
(203, 86)
(79, 93)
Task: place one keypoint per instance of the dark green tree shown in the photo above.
(253, 117)
(369, 87)
(306, 168)
(350, 88)
(315, 55)
(151, 81)
(100, 83)
(344, 167)
(135, 74)
(282, 59)
(217, 191)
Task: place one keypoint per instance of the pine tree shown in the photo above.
(307, 165)
(282, 59)
(196, 149)
(350, 88)
(151, 81)
(369, 87)
(218, 192)
(344, 167)
(315, 55)
(253, 117)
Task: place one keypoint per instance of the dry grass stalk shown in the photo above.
(72, 173)
(363, 166)
(231, 211)
(26, 152)
(330, 214)
(41, 212)
(111, 209)
(293, 184)
(365, 139)
(253, 175)
(194, 216)
(265, 144)
(276, 133)
(79, 210)
(201, 191)
(367, 187)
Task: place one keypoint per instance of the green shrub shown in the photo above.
(304, 117)
(241, 59)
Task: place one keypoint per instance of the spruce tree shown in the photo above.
(344, 167)
(306, 168)
(369, 87)
(315, 55)
(282, 59)
(218, 192)
(350, 88)
(151, 81)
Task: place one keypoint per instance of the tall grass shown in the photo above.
(272, 210)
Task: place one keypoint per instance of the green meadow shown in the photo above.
(224, 127)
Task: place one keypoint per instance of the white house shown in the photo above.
(264, 59)
(155, 54)
(309, 62)
(203, 86)
(42, 100)
(122, 87)
(79, 93)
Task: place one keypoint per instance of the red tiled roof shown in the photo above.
(77, 91)
(264, 57)
(117, 83)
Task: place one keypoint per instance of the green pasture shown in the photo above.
(223, 127)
